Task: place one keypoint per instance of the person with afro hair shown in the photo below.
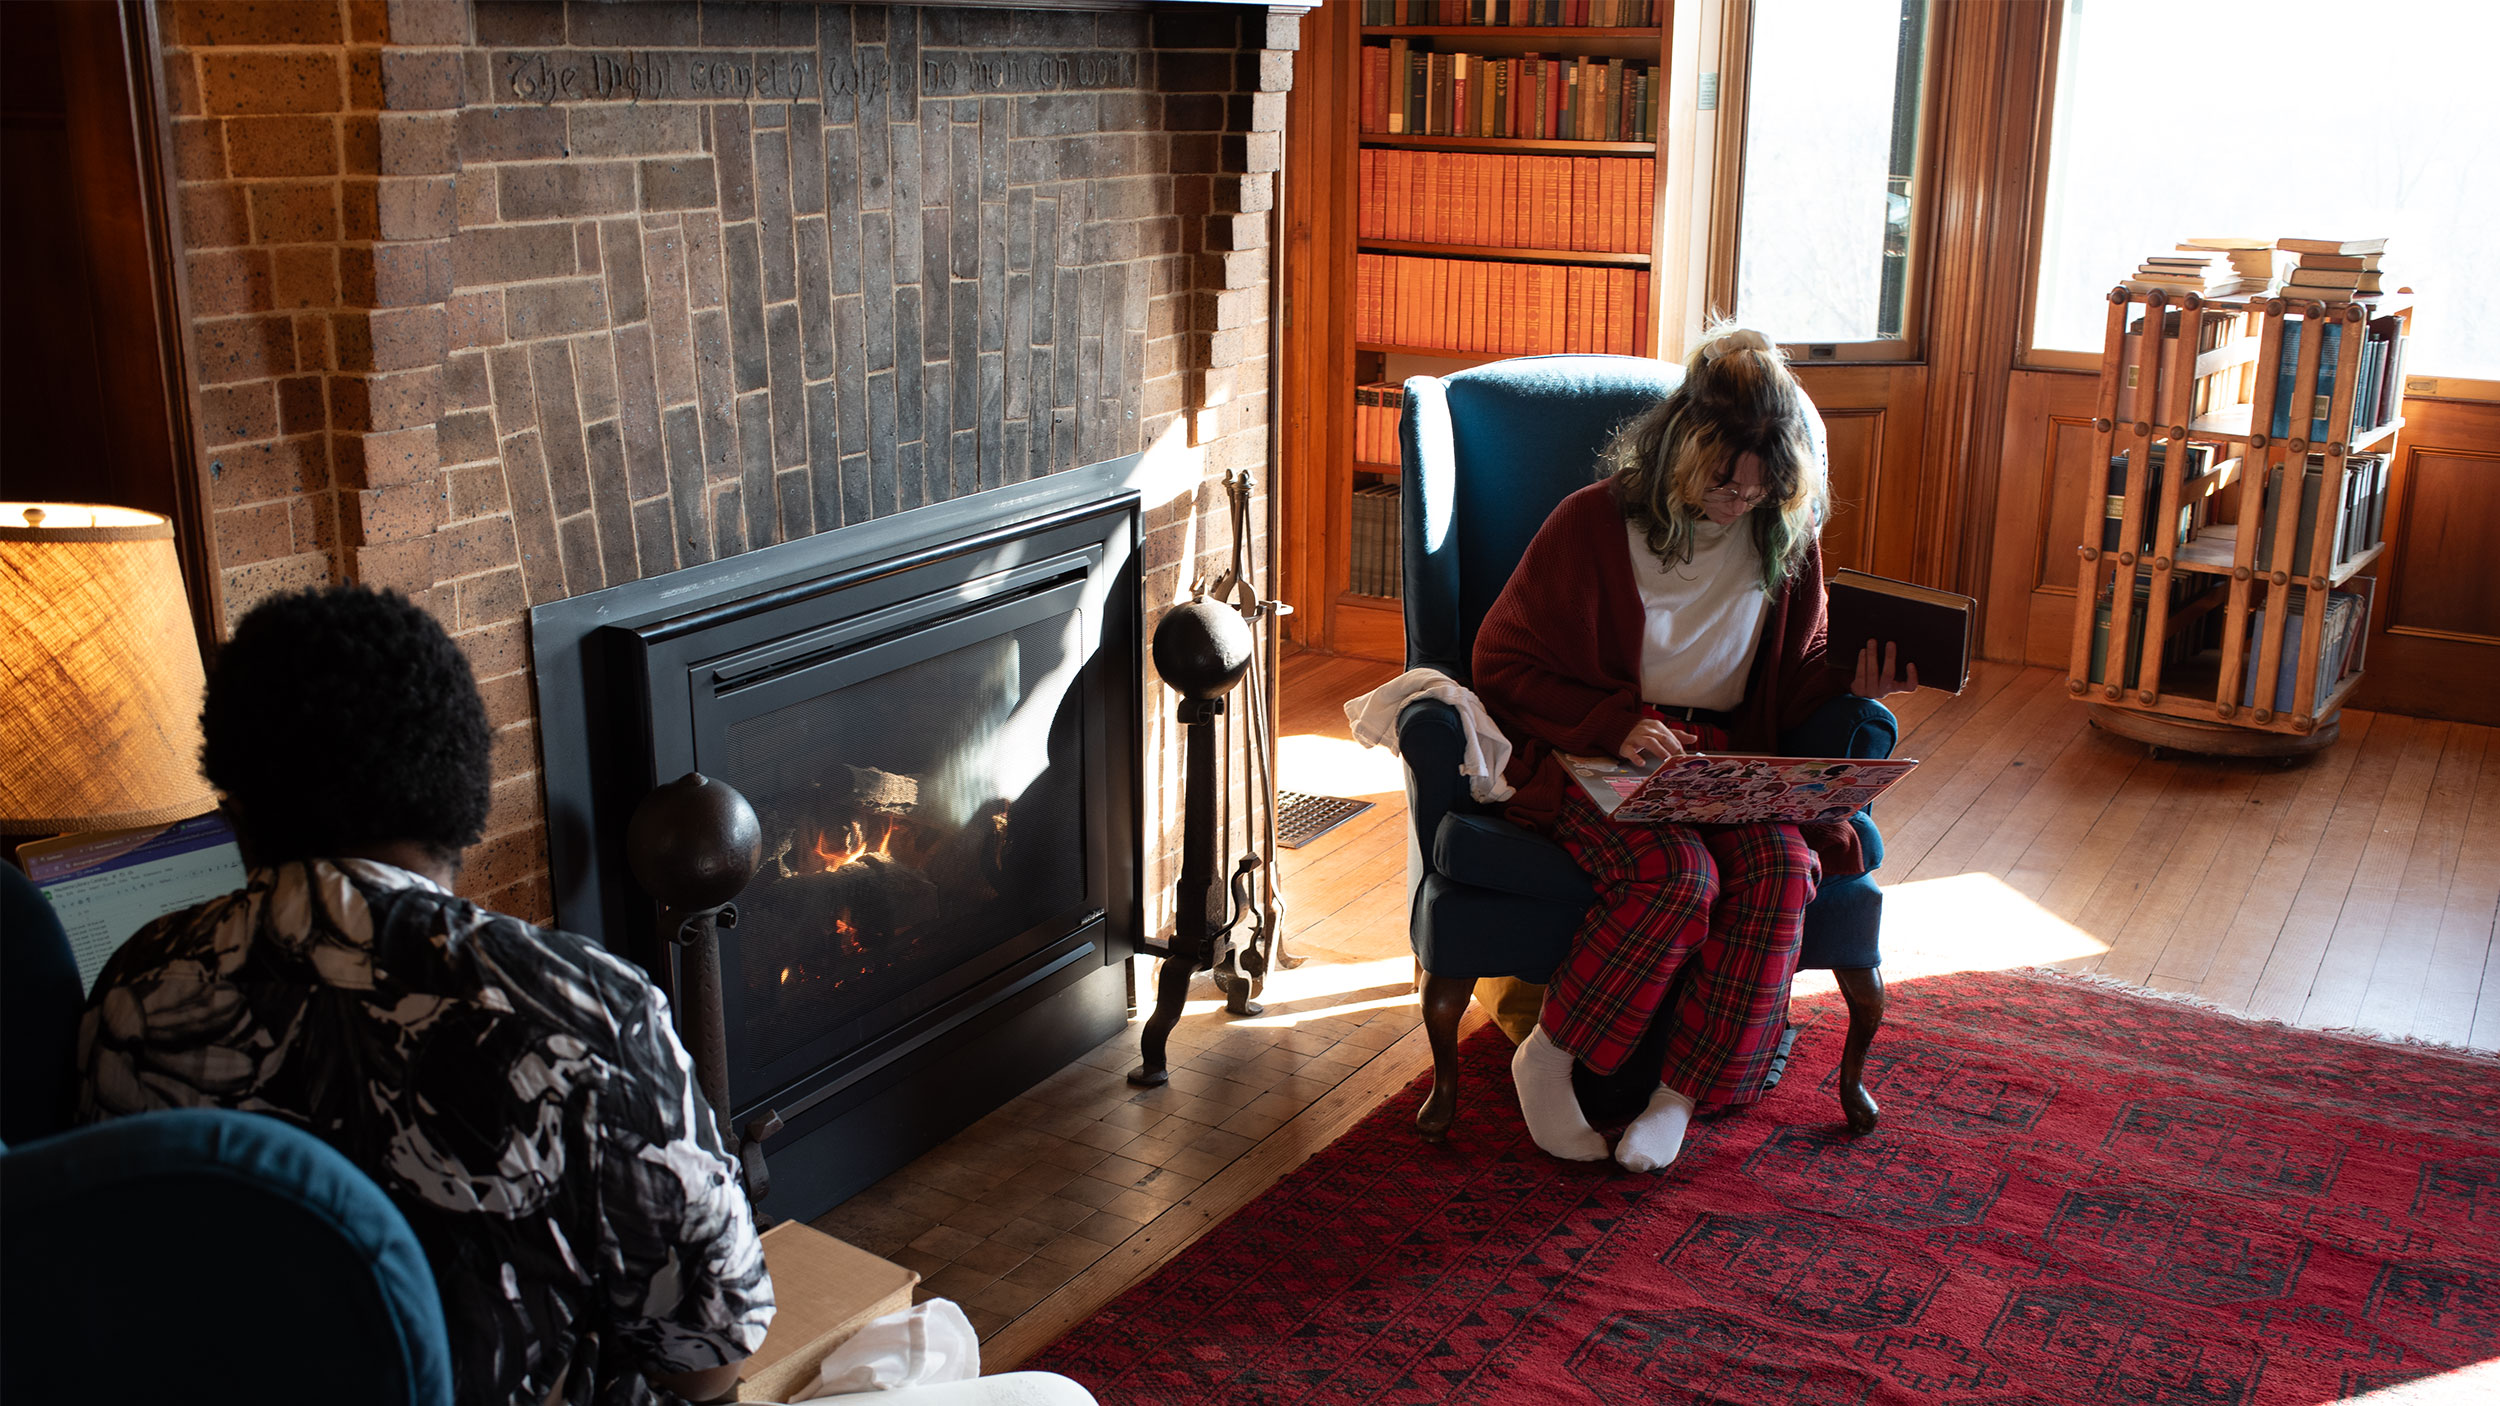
(519, 1093)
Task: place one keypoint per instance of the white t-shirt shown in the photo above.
(1705, 616)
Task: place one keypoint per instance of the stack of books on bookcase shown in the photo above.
(2333, 270)
(1540, 14)
(1378, 570)
(1506, 309)
(1582, 204)
(1411, 91)
(2347, 623)
(1377, 407)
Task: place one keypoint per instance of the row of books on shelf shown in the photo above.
(1377, 407)
(1376, 556)
(2360, 515)
(2197, 640)
(2226, 386)
(1594, 204)
(1523, 14)
(1411, 91)
(2329, 270)
(2377, 390)
(1507, 309)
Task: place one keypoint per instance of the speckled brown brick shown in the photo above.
(254, 532)
(385, 460)
(231, 414)
(246, 82)
(262, 23)
(229, 281)
(294, 212)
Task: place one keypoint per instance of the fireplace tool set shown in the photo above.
(1203, 649)
(693, 844)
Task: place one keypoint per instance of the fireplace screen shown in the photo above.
(917, 822)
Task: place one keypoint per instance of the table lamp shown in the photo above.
(100, 675)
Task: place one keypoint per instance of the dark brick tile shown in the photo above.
(683, 434)
(910, 488)
(876, 281)
(421, 81)
(511, 133)
(511, 253)
(815, 298)
(732, 150)
(807, 159)
(717, 395)
(793, 516)
(229, 281)
(243, 348)
(876, 160)
(231, 414)
(206, 23)
(466, 438)
(636, 129)
(753, 417)
(282, 146)
(620, 244)
(842, 164)
(849, 330)
(523, 23)
(881, 443)
(638, 414)
(464, 381)
(567, 190)
(789, 407)
(560, 429)
(907, 364)
(746, 304)
(555, 309)
(476, 319)
(703, 260)
(824, 458)
(772, 207)
(729, 535)
(903, 63)
(679, 183)
(634, 26)
(655, 536)
(609, 502)
(759, 26)
(577, 541)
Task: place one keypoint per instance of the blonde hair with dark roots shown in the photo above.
(1738, 397)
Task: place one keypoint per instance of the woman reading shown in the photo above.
(1674, 605)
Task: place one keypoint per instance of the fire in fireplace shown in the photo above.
(934, 716)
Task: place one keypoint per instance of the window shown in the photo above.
(1833, 94)
(2300, 118)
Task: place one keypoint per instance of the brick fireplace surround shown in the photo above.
(500, 302)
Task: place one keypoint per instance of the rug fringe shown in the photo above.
(2181, 998)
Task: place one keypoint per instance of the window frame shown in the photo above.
(1727, 196)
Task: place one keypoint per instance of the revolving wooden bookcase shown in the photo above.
(2151, 389)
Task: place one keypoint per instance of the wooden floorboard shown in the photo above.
(2356, 887)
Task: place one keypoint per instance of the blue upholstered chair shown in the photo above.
(1489, 452)
(198, 1256)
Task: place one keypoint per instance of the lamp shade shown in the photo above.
(100, 718)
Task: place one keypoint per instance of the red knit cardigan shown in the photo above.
(1558, 662)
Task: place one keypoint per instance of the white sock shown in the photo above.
(1542, 1071)
(1657, 1135)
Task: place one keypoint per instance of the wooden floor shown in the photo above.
(2356, 889)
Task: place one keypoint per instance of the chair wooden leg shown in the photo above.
(1863, 989)
(1445, 1000)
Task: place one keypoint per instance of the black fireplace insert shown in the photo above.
(935, 717)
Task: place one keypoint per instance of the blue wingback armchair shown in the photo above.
(199, 1255)
(1488, 454)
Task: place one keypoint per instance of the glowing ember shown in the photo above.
(842, 928)
(855, 848)
(785, 976)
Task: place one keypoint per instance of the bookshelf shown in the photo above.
(2218, 609)
(1504, 228)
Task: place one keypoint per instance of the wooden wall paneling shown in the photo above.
(2434, 646)
(1317, 342)
(2046, 451)
(1872, 415)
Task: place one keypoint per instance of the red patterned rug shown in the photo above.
(2076, 1196)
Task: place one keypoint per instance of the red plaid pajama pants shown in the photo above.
(1726, 900)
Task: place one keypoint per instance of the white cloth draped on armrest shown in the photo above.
(1374, 717)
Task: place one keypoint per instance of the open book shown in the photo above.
(1731, 788)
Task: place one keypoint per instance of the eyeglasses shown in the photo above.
(1730, 493)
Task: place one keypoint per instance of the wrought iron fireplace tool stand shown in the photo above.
(693, 844)
(1203, 649)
